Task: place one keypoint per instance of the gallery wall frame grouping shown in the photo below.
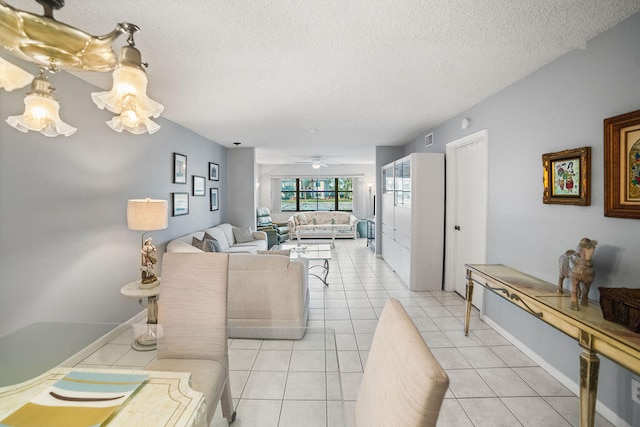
(180, 199)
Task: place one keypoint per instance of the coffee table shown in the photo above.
(317, 233)
(312, 252)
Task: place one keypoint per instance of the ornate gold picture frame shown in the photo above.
(567, 177)
(622, 165)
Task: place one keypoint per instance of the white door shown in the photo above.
(466, 229)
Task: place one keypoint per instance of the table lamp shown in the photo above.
(147, 215)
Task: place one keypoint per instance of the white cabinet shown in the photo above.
(413, 219)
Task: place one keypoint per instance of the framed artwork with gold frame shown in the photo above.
(567, 177)
(622, 165)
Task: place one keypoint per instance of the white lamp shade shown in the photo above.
(41, 114)
(13, 77)
(147, 214)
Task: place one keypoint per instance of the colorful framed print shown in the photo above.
(180, 203)
(214, 200)
(622, 165)
(213, 172)
(567, 177)
(199, 185)
(179, 168)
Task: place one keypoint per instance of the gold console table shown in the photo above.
(587, 326)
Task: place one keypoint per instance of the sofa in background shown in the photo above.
(268, 296)
(224, 235)
(277, 233)
(344, 223)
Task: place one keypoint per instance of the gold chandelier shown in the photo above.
(54, 46)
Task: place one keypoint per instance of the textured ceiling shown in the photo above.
(360, 72)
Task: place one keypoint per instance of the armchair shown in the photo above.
(276, 232)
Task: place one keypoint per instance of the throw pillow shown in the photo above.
(201, 244)
(242, 234)
(213, 243)
(285, 252)
(302, 219)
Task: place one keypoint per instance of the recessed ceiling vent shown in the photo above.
(428, 140)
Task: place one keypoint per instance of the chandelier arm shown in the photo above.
(50, 5)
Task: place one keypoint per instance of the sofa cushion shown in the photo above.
(323, 217)
(242, 234)
(302, 219)
(218, 234)
(227, 229)
(340, 217)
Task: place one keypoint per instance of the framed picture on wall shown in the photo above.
(567, 177)
(199, 185)
(180, 203)
(214, 200)
(179, 168)
(622, 165)
(213, 172)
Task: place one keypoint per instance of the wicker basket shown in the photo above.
(621, 305)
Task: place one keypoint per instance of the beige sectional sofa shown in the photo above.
(223, 233)
(343, 223)
(268, 296)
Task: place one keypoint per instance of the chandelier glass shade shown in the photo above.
(128, 96)
(54, 46)
(13, 77)
(41, 113)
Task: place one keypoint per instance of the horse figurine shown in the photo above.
(577, 266)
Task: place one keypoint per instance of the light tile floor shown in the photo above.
(296, 383)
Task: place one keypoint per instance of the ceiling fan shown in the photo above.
(316, 162)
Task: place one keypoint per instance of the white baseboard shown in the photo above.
(601, 408)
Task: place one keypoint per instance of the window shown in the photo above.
(316, 194)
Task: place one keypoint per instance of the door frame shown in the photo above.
(451, 208)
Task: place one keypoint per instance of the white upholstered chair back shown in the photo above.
(403, 384)
(192, 309)
(192, 320)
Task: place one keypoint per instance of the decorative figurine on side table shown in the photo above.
(149, 279)
(577, 266)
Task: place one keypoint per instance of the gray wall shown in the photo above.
(240, 197)
(65, 250)
(561, 106)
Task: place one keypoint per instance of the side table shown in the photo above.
(148, 341)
